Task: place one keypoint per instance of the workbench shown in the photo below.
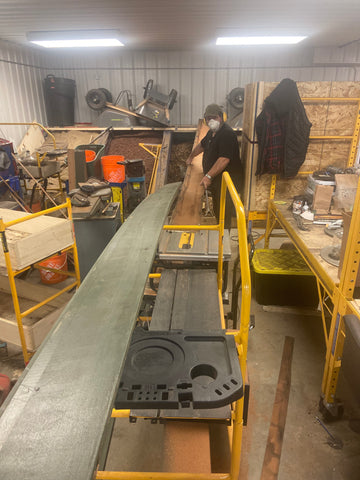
(335, 292)
(308, 243)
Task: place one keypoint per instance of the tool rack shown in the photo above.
(4, 226)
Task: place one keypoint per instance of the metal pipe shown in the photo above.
(191, 227)
(67, 205)
(160, 476)
(34, 123)
(13, 291)
(47, 300)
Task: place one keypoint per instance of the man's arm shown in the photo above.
(218, 167)
(196, 151)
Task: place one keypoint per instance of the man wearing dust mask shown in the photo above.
(220, 150)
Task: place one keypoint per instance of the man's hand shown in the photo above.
(189, 160)
(205, 182)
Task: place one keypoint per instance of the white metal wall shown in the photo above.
(199, 77)
(21, 73)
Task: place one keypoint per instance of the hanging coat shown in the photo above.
(283, 130)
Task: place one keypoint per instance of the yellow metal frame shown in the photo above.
(13, 273)
(240, 336)
(154, 150)
(254, 215)
(341, 295)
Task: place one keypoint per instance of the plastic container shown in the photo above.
(59, 96)
(281, 277)
(58, 262)
(93, 167)
(112, 172)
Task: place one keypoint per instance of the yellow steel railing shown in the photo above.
(13, 273)
(240, 336)
(33, 123)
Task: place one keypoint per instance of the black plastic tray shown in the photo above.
(177, 369)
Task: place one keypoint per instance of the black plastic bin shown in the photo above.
(281, 277)
(59, 101)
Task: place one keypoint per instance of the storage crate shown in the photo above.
(281, 277)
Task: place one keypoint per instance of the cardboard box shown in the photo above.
(322, 199)
(345, 192)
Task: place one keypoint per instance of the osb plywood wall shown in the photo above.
(327, 118)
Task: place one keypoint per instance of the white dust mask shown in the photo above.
(214, 125)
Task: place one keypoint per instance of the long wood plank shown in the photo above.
(163, 166)
(188, 207)
(52, 422)
(272, 456)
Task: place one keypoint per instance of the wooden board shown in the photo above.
(35, 331)
(188, 208)
(35, 292)
(35, 239)
(271, 463)
(164, 157)
(33, 139)
(51, 424)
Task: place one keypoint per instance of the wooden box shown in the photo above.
(35, 239)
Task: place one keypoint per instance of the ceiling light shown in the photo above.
(284, 40)
(79, 39)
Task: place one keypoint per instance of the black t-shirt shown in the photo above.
(223, 144)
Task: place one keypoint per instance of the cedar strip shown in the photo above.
(271, 463)
(188, 208)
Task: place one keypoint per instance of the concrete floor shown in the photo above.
(305, 453)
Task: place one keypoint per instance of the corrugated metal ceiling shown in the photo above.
(185, 24)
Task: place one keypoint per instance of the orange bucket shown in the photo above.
(113, 172)
(58, 262)
(90, 155)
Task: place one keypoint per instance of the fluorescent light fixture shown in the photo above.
(283, 40)
(91, 42)
(73, 39)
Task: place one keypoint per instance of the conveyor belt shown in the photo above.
(52, 423)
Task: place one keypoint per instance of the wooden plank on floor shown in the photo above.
(57, 412)
(271, 462)
(188, 208)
